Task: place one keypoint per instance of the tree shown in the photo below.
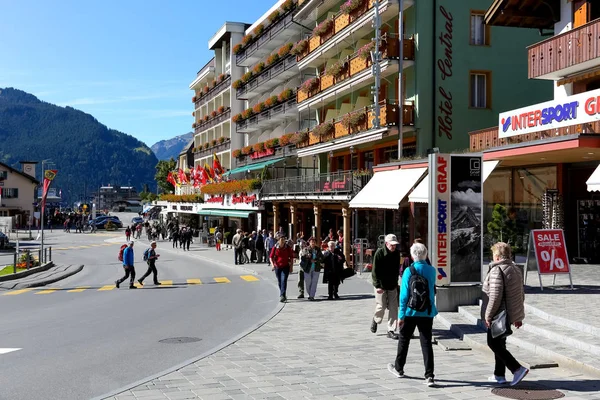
(502, 228)
(162, 170)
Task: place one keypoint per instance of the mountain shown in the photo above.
(466, 218)
(85, 152)
(165, 149)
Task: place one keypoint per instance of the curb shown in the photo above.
(24, 274)
(48, 281)
(214, 350)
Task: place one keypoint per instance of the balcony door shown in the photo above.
(581, 13)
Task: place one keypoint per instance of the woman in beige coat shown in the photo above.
(503, 277)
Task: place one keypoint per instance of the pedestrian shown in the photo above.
(245, 247)
(270, 244)
(386, 267)
(503, 291)
(282, 261)
(417, 309)
(188, 238)
(267, 251)
(340, 239)
(128, 266)
(128, 233)
(300, 244)
(252, 247)
(152, 257)
(175, 238)
(333, 262)
(182, 238)
(218, 239)
(407, 260)
(138, 231)
(260, 247)
(311, 259)
(236, 242)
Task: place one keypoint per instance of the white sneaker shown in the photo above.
(519, 375)
(396, 373)
(429, 382)
(497, 379)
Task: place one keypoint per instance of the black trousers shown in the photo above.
(151, 269)
(503, 357)
(332, 288)
(301, 282)
(129, 272)
(175, 241)
(425, 325)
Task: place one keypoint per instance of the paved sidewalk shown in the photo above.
(324, 350)
(51, 275)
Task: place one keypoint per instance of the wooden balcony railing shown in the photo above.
(565, 50)
(269, 73)
(390, 49)
(388, 116)
(340, 22)
(204, 98)
(485, 139)
(204, 125)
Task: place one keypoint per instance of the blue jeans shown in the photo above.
(282, 278)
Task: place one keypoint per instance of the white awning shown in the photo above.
(388, 188)
(421, 192)
(593, 184)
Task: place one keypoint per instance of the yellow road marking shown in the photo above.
(194, 282)
(78, 290)
(82, 247)
(136, 284)
(222, 280)
(107, 287)
(19, 291)
(47, 291)
(249, 278)
(167, 283)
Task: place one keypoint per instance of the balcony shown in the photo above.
(268, 154)
(204, 125)
(268, 117)
(268, 40)
(334, 186)
(566, 54)
(269, 78)
(388, 117)
(356, 71)
(354, 25)
(212, 92)
(485, 139)
(219, 148)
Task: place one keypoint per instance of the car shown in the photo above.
(100, 222)
(3, 240)
(137, 220)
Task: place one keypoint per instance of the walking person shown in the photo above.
(503, 291)
(236, 242)
(260, 247)
(188, 238)
(333, 261)
(417, 309)
(175, 238)
(282, 261)
(386, 268)
(311, 259)
(151, 260)
(300, 244)
(128, 266)
(267, 251)
(128, 233)
(218, 239)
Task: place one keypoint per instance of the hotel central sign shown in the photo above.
(444, 66)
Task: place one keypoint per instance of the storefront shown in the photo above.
(232, 211)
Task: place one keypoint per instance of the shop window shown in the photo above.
(369, 160)
(480, 33)
(10, 193)
(390, 154)
(340, 163)
(480, 89)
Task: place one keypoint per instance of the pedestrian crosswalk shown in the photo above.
(148, 285)
(4, 350)
(86, 246)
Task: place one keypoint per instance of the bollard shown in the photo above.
(15, 264)
(45, 254)
(50, 252)
(40, 256)
(27, 255)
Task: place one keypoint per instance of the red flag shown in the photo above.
(217, 165)
(182, 176)
(49, 176)
(171, 179)
(203, 175)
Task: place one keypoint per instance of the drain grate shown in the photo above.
(179, 340)
(528, 392)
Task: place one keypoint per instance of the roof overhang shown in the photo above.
(224, 33)
(536, 14)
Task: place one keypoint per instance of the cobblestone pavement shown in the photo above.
(324, 350)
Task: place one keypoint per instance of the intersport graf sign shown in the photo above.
(573, 110)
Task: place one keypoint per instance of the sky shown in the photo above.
(129, 63)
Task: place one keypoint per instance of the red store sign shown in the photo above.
(243, 199)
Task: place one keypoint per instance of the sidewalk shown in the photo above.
(51, 275)
(325, 350)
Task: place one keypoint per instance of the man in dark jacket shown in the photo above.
(386, 268)
(152, 256)
(260, 247)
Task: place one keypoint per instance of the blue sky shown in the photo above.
(128, 63)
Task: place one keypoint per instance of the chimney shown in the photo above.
(28, 167)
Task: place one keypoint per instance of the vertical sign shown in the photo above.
(439, 216)
(466, 203)
(548, 250)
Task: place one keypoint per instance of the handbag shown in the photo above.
(500, 327)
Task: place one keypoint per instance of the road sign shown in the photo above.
(548, 254)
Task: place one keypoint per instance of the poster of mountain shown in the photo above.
(466, 218)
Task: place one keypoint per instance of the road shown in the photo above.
(87, 338)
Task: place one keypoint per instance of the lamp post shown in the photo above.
(330, 161)
(44, 162)
(298, 166)
(314, 164)
(352, 158)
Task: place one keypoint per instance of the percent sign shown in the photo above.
(551, 257)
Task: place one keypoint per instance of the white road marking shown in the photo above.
(7, 350)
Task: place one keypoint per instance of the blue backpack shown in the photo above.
(147, 254)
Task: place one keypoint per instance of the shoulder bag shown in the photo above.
(500, 327)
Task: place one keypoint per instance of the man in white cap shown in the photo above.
(386, 269)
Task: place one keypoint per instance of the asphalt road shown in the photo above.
(82, 344)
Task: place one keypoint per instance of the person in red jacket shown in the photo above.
(282, 261)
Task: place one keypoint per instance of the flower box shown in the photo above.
(238, 48)
(272, 59)
(271, 101)
(310, 85)
(221, 140)
(349, 6)
(247, 113)
(247, 76)
(323, 129)
(246, 150)
(365, 51)
(287, 5)
(237, 118)
(246, 40)
(213, 114)
(354, 119)
(194, 99)
(272, 143)
(258, 147)
(258, 68)
(258, 108)
(213, 142)
(285, 50)
(221, 109)
(336, 69)
(262, 153)
(258, 30)
(300, 47)
(285, 95)
(323, 28)
(274, 16)
(236, 153)
(237, 84)
(299, 137)
(285, 140)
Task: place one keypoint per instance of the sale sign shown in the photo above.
(550, 251)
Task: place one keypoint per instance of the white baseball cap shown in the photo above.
(391, 239)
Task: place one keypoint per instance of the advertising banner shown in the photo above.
(455, 217)
(548, 252)
(573, 110)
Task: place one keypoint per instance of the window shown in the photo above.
(9, 193)
(480, 90)
(3, 175)
(480, 32)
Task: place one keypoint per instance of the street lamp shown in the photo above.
(314, 164)
(352, 157)
(330, 160)
(298, 166)
(44, 162)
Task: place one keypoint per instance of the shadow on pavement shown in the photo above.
(592, 385)
(577, 289)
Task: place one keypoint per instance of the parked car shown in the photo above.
(3, 240)
(137, 220)
(100, 222)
